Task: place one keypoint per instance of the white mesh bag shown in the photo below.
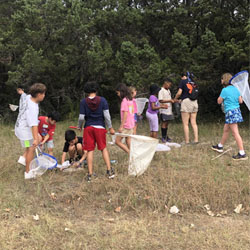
(141, 102)
(42, 162)
(142, 150)
(240, 81)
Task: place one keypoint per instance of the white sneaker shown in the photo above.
(29, 175)
(22, 161)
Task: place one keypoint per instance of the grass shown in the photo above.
(185, 177)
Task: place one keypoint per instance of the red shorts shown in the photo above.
(93, 136)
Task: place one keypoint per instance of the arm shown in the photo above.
(81, 121)
(46, 137)
(63, 157)
(220, 100)
(178, 94)
(125, 114)
(108, 121)
(160, 107)
(240, 99)
(166, 101)
(35, 135)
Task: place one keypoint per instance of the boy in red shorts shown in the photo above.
(46, 129)
(94, 111)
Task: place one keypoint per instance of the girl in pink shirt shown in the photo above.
(127, 116)
(133, 93)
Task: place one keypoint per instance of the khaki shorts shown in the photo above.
(127, 131)
(189, 106)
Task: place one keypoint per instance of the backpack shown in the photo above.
(193, 91)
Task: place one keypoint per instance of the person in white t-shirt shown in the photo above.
(26, 128)
(22, 104)
(166, 115)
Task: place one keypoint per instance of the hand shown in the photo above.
(35, 143)
(172, 101)
(111, 131)
(76, 164)
(120, 130)
(164, 106)
(79, 128)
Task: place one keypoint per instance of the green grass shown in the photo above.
(185, 177)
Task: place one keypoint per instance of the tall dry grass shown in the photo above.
(185, 177)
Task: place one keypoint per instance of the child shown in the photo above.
(231, 98)
(127, 116)
(46, 129)
(74, 146)
(94, 111)
(22, 103)
(166, 115)
(26, 128)
(153, 109)
(133, 94)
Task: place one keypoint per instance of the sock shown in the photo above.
(166, 132)
(163, 133)
(241, 152)
(220, 145)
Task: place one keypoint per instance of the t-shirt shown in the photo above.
(230, 95)
(45, 128)
(153, 99)
(165, 94)
(183, 86)
(22, 102)
(135, 106)
(66, 144)
(128, 106)
(27, 118)
(92, 109)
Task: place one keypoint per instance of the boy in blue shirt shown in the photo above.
(94, 111)
(232, 99)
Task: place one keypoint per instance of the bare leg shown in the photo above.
(72, 151)
(236, 134)
(79, 149)
(29, 156)
(225, 135)
(135, 128)
(185, 120)
(50, 151)
(194, 126)
(128, 142)
(90, 161)
(154, 134)
(118, 142)
(105, 155)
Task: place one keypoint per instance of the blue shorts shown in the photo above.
(233, 116)
(136, 118)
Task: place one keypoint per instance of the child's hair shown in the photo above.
(226, 77)
(54, 115)
(124, 91)
(167, 80)
(20, 86)
(37, 88)
(70, 135)
(90, 87)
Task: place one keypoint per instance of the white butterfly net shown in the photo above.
(240, 81)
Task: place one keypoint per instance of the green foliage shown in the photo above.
(67, 43)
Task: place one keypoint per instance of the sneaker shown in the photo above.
(29, 175)
(88, 178)
(217, 148)
(111, 173)
(163, 140)
(169, 139)
(240, 157)
(22, 161)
